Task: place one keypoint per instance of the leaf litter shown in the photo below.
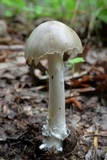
(24, 106)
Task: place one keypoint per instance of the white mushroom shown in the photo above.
(51, 40)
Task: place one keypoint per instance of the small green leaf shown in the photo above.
(71, 62)
(76, 60)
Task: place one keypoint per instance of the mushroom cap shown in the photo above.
(49, 38)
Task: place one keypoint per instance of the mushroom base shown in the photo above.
(52, 143)
(53, 137)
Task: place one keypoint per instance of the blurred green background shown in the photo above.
(84, 16)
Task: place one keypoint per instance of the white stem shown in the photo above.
(56, 93)
(55, 131)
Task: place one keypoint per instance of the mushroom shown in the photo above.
(51, 40)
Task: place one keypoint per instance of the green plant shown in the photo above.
(13, 7)
(37, 8)
(97, 14)
(57, 8)
(71, 62)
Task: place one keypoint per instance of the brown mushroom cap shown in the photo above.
(49, 38)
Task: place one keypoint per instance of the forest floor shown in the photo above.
(24, 106)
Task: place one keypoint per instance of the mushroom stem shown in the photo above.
(55, 131)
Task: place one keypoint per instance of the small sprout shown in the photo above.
(71, 62)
